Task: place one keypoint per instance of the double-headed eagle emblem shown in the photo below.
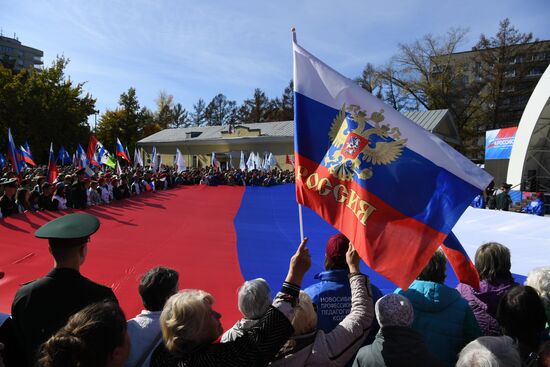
(359, 142)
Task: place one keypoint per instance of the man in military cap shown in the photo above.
(79, 199)
(7, 200)
(43, 306)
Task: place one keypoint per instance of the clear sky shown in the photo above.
(194, 49)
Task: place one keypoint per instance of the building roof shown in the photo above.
(429, 120)
(267, 129)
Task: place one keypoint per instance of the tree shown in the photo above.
(221, 111)
(425, 75)
(129, 122)
(164, 114)
(370, 80)
(181, 117)
(282, 109)
(43, 106)
(256, 109)
(198, 117)
(502, 76)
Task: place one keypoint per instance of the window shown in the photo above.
(510, 74)
(192, 134)
(195, 162)
(536, 71)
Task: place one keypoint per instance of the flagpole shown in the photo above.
(300, 213)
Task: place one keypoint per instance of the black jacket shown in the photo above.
(43, 306)
(254, 348)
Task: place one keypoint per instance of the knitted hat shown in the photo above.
(394, 310)
(337, 246)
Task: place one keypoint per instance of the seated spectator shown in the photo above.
(254, 300)
(58, 200)
(40, 180)
(22, 200)
(155, 287)
(45, 198)
(332, 295)
(190, 326)
(490, 351)
(396, 344)
(312, 347)
(93, 194)
(539, 280)
(493, 264)
(103, 190)
(535, 206)
(93, 337)
(7, 200)
(33, 200)
(521, 315)
(441, 315)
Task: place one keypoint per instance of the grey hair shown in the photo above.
(490, 351)
(539, 279)
(254, 298)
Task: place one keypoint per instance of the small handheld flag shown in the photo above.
(120, 152)
(52, 167)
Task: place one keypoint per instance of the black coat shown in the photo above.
(43, 306)
(396, 346)
(8, 206)
(79, 199)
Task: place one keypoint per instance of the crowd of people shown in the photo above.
(81, 188)
(500, 199)
(65, 319)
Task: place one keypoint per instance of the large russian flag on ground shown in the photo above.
(391, 187)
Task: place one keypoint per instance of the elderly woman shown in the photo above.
(312, 347)
(492, 262)
(539, 280)
(498, 351)
(254, 300)
(190, 326)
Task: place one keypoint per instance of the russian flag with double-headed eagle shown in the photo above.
(394, 189)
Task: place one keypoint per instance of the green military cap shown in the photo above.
(67, 227)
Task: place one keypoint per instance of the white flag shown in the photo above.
(250, 162)
(180, 161)
(137, 157)
(258, 161)
(154, 160)
(242, 164)
(215, 162)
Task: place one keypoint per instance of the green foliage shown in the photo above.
(43, 106)
(221, 111)
(129, 122)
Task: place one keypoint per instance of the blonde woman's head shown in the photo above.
(188, 321)
(305, 317)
